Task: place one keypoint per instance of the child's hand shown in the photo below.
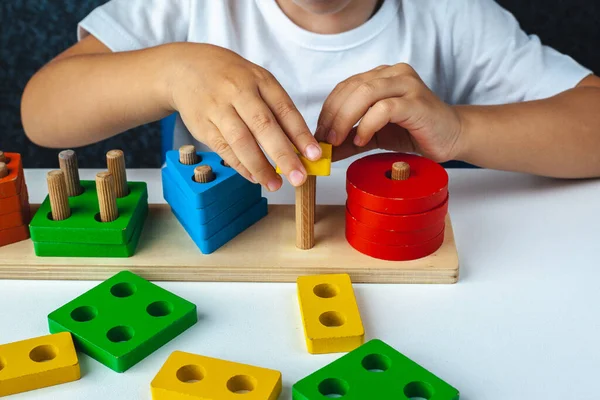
(236, 107)
(397, 112)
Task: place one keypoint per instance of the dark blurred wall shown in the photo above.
(34, 31)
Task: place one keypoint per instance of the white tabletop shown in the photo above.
(522, 323)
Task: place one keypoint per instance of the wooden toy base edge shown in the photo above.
(265, 252)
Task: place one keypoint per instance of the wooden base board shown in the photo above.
(266, 252)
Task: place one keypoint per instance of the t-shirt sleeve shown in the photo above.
(124, 25)
(491, 60)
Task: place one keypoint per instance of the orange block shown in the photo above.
(14, 220)
(16, 203)
(14, 235)
(11, 184)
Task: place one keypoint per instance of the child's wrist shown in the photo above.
(462, 144)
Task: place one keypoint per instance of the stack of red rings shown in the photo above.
(396, 220)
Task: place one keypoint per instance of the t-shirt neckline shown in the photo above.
(277, 19)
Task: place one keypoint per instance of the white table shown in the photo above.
(522, 323)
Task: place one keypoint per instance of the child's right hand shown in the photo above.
(236, 107)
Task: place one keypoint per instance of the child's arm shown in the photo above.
(88, 94)
(558, 137)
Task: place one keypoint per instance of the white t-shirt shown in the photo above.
(466, 51)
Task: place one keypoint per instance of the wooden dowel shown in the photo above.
(400, 171)
(305, 213)
(107, 198)
(115, 160)
(57, 191)
(68, 165)
(187, 155)
(203, 174)
(2, 156)
(3, 170)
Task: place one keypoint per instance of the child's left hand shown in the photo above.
(397, 112)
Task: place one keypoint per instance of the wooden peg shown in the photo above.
(2, 157)
(400, 171)
(203, 174)
(115, 160)
(69, 166)
(187, 155)
(107, 198)
(57, 191)
(3, 170)
(305, 213)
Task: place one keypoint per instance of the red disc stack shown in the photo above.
(397, 206)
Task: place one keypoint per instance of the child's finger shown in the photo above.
(242, 142)
(290, 119)
(365, 95)
(267, 132)
(219, 145)
(394, 110)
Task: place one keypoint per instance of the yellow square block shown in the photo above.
(317, 168)
(330, 314)
(37, 363)
(186, 376)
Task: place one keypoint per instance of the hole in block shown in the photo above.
(376, 363)
(418, 391)
(123, 289)
(84, 313)
(97, 217)
(160, 309)
(43, 353)
(241, 384)
(120, 334)
(326, 290)
(2, 364)
(223, 163)
(334, 388)
(49, 216)
(190, 374)
(332, 319)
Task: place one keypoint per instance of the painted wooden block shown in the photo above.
(393, 238)
(330, 314)
(84, 225)
(317, 168)
(214, 217)
(201, 195)
(14, 219)
(11, 185)
(369, 184)
(83, 250)
(14, 235)
(248, 218)
(373, 371)
(123, 320)
(187, 376)
(37, 363)
(15, 203)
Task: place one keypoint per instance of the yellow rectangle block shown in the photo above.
(37, 363)
(330, 314)
(186, 376)
(317, 168)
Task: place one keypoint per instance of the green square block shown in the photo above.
(83, 226)
(123, 320)
(373, 371)
(50, 249)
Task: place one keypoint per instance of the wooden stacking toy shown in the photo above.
(210, 199)
(14, 200)
(396, 208)
(104, 218)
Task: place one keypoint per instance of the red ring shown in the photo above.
(394, 253)
(368, 184)
(402, 223)
(393, 238)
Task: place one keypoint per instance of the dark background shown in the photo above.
(34, 31)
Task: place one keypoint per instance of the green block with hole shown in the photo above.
(84, 225)
(373, 371)
(51, 249)
(123, 320)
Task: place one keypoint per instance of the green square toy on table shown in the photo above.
(90, 219)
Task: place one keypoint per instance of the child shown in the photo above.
(450, 79)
